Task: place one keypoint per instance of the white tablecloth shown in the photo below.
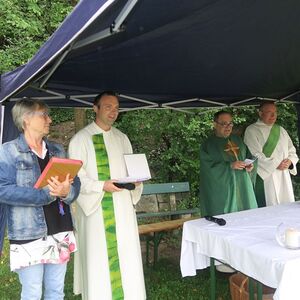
(248, 243)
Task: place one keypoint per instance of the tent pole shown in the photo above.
(2, 110)
(54, 67)
(123, 15)
(297, 106)
(243, 101)
(290, 95)
(182, 101)
(177, 109)
(93, 38)
(64, 96)
(114, 28)
(138, 100)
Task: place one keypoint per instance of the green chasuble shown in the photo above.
(222, 189)
(109, 219)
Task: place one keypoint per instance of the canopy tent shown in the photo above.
(167, 53)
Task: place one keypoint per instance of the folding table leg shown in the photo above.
(156, 241)
(259, 290)
(212, 279)
(147, 250)
(251, 289)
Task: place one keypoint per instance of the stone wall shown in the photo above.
(159, 202)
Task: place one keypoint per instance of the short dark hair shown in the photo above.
(105, 93)
(219, 113)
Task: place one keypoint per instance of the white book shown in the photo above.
(137, 168)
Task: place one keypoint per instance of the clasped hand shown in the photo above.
(285, 164)
(59, 189)
(240, 165)
(110, 187)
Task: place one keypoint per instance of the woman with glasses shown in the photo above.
(40, 229)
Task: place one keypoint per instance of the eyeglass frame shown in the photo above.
(225, 124)
(44, 114)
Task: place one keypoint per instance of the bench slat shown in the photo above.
(163, 226)
(166, 188)
(168, 213)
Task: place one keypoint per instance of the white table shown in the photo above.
(248, 243)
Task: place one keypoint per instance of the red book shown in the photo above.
(58, 167)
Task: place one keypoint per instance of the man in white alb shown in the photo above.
(108, 264)
(277, 157)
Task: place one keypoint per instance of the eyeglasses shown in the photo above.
(225, 124)
(44, 114)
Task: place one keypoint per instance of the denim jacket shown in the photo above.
(19, 170)
(3, 218)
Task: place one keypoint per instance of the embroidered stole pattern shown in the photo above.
(232, 149)
(109, 219)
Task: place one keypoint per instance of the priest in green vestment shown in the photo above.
(225, 182)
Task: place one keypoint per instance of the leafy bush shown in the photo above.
(59, 115)
(25, 25)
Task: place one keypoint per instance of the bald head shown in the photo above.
(268, 113)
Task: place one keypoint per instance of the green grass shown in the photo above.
(166, 283)
(162, 283)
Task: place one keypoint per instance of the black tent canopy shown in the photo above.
(167, 53)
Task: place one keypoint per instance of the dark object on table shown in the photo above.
(219, 221)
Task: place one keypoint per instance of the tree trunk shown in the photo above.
(80, 118)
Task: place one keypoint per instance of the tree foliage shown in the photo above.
(25, 25)
(59, 115)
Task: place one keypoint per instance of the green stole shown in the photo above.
(109, 219)
(267, 150)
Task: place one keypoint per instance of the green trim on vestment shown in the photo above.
(268, 149)
(272, 140)
(109, 219)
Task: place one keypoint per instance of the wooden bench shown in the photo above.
(153, 232)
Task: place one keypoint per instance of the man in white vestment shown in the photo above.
(108, 264)
(277, 157)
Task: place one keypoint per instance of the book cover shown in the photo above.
(137, 168)
(58, 167)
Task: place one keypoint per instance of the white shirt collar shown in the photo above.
(44, 152)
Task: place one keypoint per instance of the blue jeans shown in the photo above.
(51, 276)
